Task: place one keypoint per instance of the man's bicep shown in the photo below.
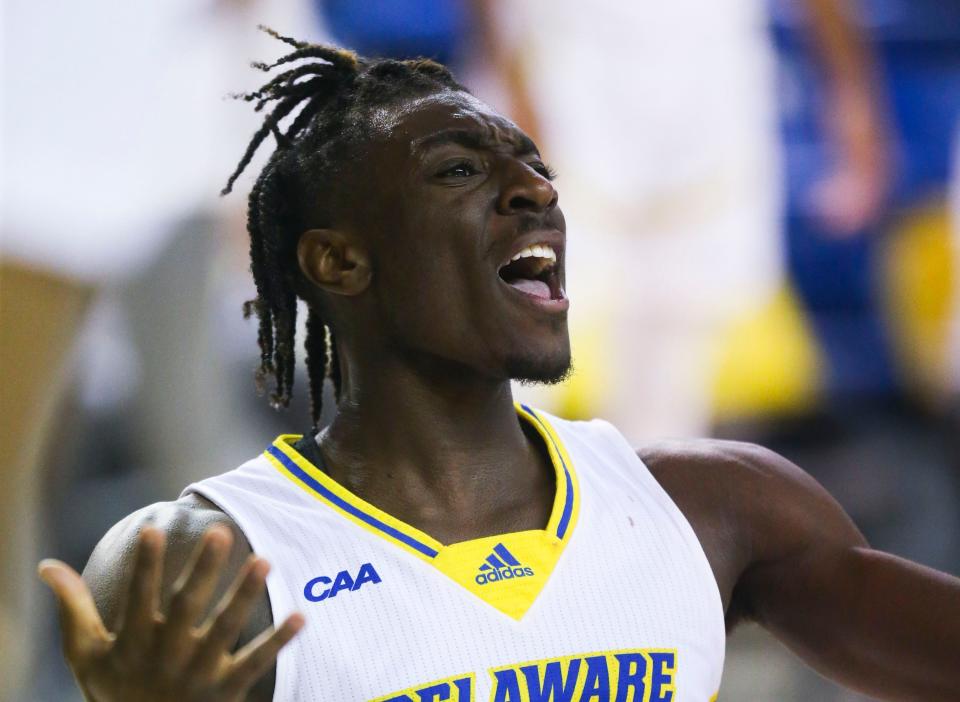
(799, 534)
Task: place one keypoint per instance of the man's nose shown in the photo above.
(525, 190)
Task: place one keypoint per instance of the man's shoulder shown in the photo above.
(748, 505)
(767, 504)
(183, 523)
(743, 484)
(181, 520)
(706, 453)
(719, 464)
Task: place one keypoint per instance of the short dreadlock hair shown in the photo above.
(327, 96)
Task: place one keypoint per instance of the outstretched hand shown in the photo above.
(165, 658)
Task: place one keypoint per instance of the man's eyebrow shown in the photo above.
(473, 139)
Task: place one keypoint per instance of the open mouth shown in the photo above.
(533, 271)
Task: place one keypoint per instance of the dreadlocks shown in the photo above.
(326, 95)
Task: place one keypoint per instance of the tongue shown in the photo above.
(536, 288)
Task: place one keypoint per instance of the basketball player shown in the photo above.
(439, 541)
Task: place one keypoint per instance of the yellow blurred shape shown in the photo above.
(582, 395)
(766, 363)
(919, 272)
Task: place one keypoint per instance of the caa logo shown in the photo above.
(322, 587)
(501, 565)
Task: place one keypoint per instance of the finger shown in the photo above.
(225, 624)
(84, 634)
(191, 595)
(257, 657)
(138, 620)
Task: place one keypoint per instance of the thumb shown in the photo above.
(83, 631)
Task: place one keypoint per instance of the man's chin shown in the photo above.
(539, 371)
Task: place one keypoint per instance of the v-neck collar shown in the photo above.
(507, 571)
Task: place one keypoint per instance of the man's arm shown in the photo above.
(874, 622)
(110, 566)
(180, 559)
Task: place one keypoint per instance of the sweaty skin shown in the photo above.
(429, 336)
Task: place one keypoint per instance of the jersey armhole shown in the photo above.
(280, 602)
(644, 474)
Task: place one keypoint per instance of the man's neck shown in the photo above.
(422, 447)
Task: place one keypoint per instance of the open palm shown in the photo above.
(153, 657)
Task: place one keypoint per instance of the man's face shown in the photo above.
(467, 241)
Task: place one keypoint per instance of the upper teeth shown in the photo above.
(536, 251)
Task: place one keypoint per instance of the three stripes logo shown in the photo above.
(501, 565)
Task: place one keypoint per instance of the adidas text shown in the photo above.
(493, 576)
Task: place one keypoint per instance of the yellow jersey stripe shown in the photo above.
(303, 473)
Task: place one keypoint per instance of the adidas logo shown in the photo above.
(501, 565)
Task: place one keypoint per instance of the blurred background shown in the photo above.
(763, 203)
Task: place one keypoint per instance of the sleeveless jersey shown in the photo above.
(613, 601)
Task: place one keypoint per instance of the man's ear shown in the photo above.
(334, 261)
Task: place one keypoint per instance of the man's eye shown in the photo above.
(544, 170)
(462, 169)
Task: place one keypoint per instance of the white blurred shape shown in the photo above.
(115, 123)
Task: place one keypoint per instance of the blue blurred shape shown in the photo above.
(437, 29)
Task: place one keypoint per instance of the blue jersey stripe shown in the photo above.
(329, 496)
(567, 506)
(568, 502)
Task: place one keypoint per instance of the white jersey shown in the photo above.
(613, 600)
